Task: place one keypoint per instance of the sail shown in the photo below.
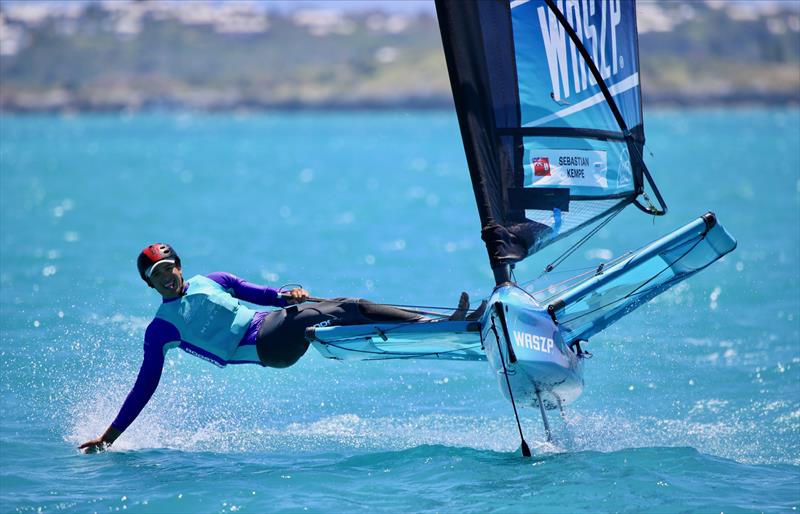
(548, 99)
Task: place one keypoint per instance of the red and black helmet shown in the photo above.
(153, 254)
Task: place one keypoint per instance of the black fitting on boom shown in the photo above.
(710, 220)
(553, 308)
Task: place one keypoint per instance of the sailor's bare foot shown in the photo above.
(477, 313)
(460, 314)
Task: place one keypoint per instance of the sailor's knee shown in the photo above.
(280, 364)
(347, 299)
(285, 356)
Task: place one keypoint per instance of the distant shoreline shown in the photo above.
(9, 106)
(227, 57)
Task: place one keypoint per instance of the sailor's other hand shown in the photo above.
(95, 445)
(296, 296)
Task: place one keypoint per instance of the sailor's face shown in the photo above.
(167, 279)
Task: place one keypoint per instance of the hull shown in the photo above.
(524, 345)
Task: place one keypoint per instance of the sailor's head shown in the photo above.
(160, 267)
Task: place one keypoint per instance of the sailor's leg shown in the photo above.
(477, 313)
(357, 311)
(281, 338)
(387, 314)
(377, 313)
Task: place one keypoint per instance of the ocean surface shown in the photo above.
(692, 403)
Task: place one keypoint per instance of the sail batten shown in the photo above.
(548, 100)
(562, 132)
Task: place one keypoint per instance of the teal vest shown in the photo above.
(209, 319)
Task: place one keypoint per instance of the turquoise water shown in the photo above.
(692, 403)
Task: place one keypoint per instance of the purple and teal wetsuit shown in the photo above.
(208, 321)
(162, 334)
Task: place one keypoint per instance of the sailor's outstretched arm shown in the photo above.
(254, 293)
(146, 384)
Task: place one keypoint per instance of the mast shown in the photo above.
(464, 48)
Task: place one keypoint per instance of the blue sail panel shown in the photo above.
(578, 144)
(556, 86)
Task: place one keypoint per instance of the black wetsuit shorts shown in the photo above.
(282, 340)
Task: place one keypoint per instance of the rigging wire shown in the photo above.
(559, 287)
(569, 251)
(651, 208)
(586, 270)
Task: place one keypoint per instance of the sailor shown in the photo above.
(203, 317)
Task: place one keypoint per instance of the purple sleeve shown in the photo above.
(158, 333)
(243, 290)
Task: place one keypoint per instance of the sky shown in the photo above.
(395, 6)
(400, 6)
(405, 6)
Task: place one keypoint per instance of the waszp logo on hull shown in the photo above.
(533, 342)
(579, 15)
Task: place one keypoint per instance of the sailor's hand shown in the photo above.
(296, 296)
(95, 445)
(101, 443)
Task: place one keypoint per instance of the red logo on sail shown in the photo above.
(541, 166)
